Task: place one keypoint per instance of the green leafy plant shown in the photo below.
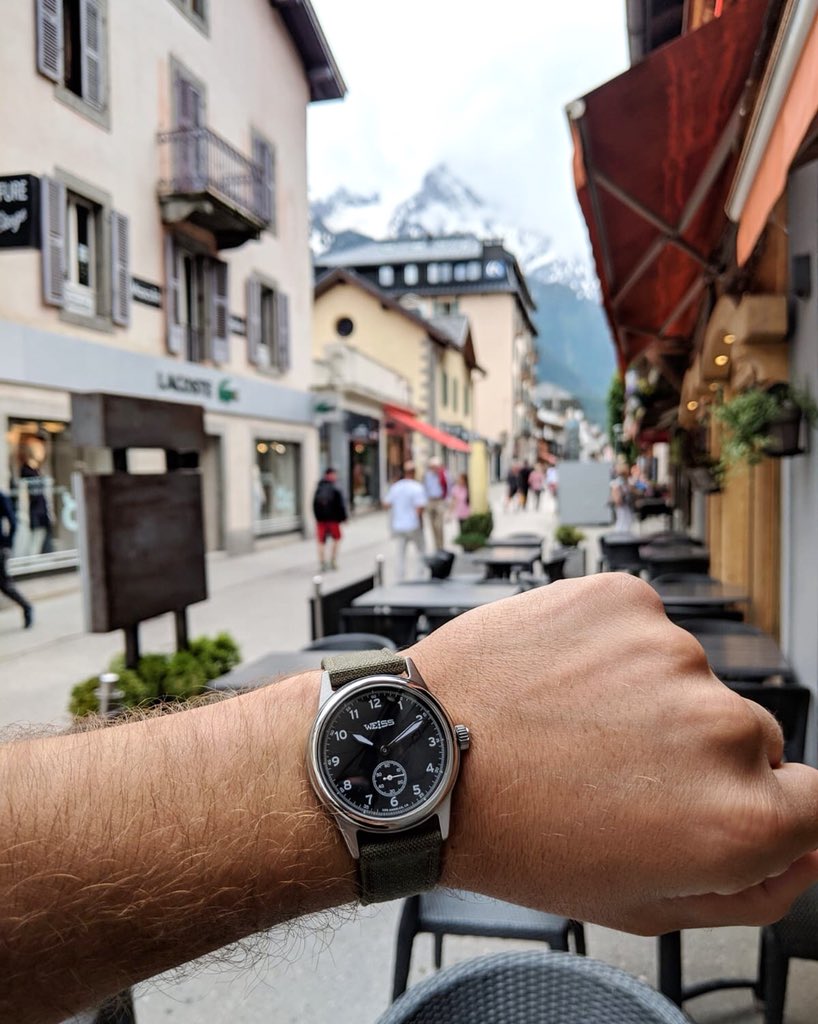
(476, 531)
(162, 677)
(568, 536)
(749, 417)
(470, 541)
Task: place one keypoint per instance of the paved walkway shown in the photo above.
(334, 967)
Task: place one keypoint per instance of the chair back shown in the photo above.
(325, 609)
(351, 642)
(399, 624)
(790, 705)
(532, 988)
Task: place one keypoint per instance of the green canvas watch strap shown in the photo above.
(343, 668)
(402, 863)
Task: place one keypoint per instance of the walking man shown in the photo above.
(437, 488)
(406, 499)
(330, 511)
(8, 525)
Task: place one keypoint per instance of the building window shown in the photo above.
(72, 51)
(410, 274)
(196, 10)
(444, 388)
(197, 304)
(445, 272)
(467, 398)
(460, 271)
(454, 393)
(264, 184)
(276, 487)
(268, 325)
(386, 277)
(85, 253)
(433, 273)
(474, 270)
(445, 307)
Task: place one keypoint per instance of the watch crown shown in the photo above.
(463, 736)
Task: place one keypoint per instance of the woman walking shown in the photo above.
(460, 499)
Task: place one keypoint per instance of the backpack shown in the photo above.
(323, 504)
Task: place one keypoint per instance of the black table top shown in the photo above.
(272, 666)
(706, 593)
(437, 595)
(515, 542)
(744, 656)
(508, 555)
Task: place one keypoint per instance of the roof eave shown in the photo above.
(323, 74)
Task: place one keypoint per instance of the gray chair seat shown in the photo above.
(532, 988)
(795, 936)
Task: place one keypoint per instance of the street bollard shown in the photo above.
(109, 697)
(318, 611)
(379, 560)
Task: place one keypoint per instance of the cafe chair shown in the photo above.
(400, 625)
(444, 912)
(532, 988)
(794, 937)
(325, 606)
(620, 553)
(789, 704)
(351, 642)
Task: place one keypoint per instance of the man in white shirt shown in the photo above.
(406, 499)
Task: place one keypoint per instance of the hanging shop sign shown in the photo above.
(19, 211)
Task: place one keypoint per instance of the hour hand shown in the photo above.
(362, 739)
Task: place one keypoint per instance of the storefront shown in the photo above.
(364, 461)
(277, 487)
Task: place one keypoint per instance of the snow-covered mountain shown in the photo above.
(575, 347)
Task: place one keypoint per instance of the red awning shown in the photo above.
(654, 154)
(433, 433)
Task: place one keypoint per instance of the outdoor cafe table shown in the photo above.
(502, 560)
(752, 657)
(269, 667)
(437, 595)
(526, 541)
(659, 559)
(704, 594)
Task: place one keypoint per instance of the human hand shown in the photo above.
(611, 776)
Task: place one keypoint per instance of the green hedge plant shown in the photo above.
(568, 536)
(159, 678)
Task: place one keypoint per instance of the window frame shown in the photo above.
(411, 270)
(100, 115)
(386, 270)
(200, 21)
(268, 363)
(100, 201)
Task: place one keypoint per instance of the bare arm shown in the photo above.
(654, 797)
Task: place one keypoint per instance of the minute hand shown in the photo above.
(406, 732)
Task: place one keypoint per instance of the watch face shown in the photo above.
(383, 752)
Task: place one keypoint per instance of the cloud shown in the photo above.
(478, 85)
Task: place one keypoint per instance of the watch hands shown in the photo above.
(406, 732)
(362, 739)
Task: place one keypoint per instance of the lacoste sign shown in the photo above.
(201, 387)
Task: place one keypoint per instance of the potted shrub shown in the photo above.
(568, 536)
(764, 421)
(476, 531)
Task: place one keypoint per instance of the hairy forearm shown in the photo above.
(126, 851)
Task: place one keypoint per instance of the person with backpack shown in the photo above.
(330, 511)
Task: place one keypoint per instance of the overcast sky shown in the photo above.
(479, 85)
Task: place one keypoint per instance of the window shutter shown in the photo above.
(93, 69)
(52, 231)
(175, 337)
(282, 332)
(219, 314)
(50, 39)
(264, 159)
(120, 269)
(253, 320)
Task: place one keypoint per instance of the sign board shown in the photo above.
(146, 292)
(584, 492)
(19, 211)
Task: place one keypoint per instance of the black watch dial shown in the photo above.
(383, 752)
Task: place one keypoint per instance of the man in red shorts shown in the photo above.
(329, 511)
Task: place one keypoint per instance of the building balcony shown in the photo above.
(345, 370)
(205, 181)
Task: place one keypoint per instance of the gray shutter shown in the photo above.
(282, 331)
(50, 39)
(91, 55)
(219, 313)
(52, 232)
(264, 159)
(120, 269)
(175, 337)
(253, 320)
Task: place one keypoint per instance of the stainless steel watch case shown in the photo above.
(439, 804)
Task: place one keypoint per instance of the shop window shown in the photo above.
(276, 487)
(41, 460)
(386, 277)
(85, 254)
(197, 304)
(268, 325)
(72, 51)
(364, 460)
(411, 275)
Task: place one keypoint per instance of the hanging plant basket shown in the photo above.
(784, 432)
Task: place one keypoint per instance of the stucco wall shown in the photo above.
(492, 328)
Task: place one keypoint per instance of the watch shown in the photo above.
(383, 756)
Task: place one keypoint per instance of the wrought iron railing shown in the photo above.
(197, 160)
